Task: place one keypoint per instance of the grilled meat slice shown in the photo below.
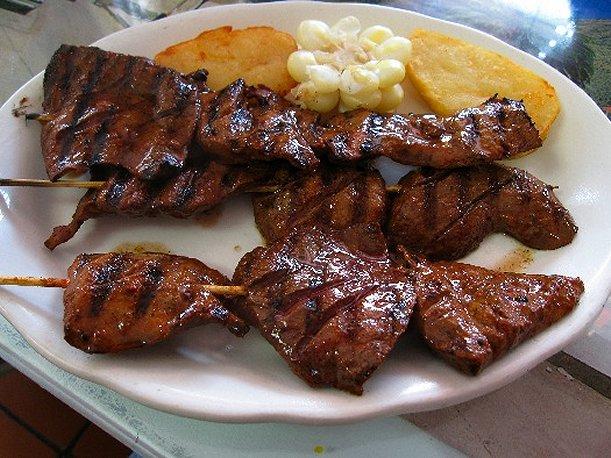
(194, 190)
(112, 109)
(332, 313)
(446, 214)
(497, 129)
(118, 301)
(349, 200)
(470, 316)
(242, 123)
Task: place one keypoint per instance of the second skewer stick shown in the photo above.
(98, 184)
(49, 282)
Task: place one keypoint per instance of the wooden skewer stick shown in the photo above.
(263, 189)
(223, 290)
(41, 118)
(50, 184)
(35, 281)
(99, 184)
(226, 290)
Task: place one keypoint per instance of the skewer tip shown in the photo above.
(35, 281)
(50, 184)
(226, 290)
(40, 117)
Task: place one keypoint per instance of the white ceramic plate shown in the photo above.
(206, 372)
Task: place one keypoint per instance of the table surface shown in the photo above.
(552, 410)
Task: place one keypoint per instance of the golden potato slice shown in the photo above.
(451, 74)
(257, 54)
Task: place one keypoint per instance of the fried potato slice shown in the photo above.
(257, 54)
(451, 74)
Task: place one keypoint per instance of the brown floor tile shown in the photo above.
(17, 442)
(96, 442)
(39, 409)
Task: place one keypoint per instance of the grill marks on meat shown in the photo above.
(470, 316)
(348, 200)
(446, 214)
(498, 129)
(118, 301)
(110, 109)
(194, 190)
(242, 123)
(332, 313)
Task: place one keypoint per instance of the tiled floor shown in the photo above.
(34, 423)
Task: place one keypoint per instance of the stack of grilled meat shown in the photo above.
(158, 137)
(346, 264)
(332, 312)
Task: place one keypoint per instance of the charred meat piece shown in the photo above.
(352, 201)
(332, 313)
(242, 123)
(470, 316)
(446, 214)
(117, 301)
(110, 109)
(497, 129)
(194, 190)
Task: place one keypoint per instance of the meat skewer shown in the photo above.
(118, 301)
(446, 214)
(94, 98)
(346, 190)
(471, 316)
(194, 190)
(332, 312)
(345, 198)
(99, 104)
(440, 214)
(349, 200)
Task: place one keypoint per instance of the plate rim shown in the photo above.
(598, 291)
